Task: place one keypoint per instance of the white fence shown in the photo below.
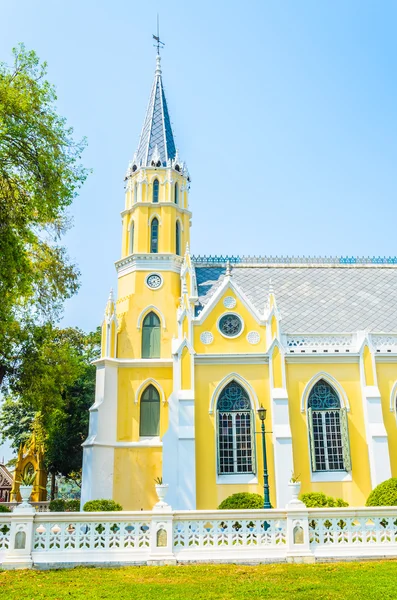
(294, 534)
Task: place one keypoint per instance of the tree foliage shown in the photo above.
(40, 174)
(50, 394)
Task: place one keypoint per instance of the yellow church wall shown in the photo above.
(277, 368)
(135, 470)
(129, 343)
(387, 377)
(186, 379)
(368, 369)
(207, 377)
(128, 411)
(238, 345)
(355, 492)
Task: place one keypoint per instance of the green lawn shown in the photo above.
(333, 580)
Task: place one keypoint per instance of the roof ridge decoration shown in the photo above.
(221, 260)
(157, 139)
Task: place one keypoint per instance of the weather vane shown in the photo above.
(159, 44)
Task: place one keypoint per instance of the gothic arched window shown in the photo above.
(135, 192)
(151, 336)
(328, 430)
(156, 190)
(154, 236)
(235, 431)
(149, 422)
(131, 241)
(177, 238)
(176, 193)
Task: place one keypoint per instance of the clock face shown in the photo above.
(154, 281)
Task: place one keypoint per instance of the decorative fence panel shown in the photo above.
(29, 538)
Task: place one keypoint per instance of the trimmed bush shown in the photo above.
(101, 505)
(243, 500)
(385, 494)
(4, 509)
(320, 500)
(61, 505)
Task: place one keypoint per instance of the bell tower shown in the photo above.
(155, 221)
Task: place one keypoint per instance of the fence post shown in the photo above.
(19, 555)
(298, 541)
(161, 536)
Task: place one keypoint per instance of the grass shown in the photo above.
(222, 582)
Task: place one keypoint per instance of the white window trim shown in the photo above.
(236, 479)
(325, 476)
(234, 314)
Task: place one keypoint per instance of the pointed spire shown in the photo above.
(157, 130)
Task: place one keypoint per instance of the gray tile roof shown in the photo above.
(315, 299)
(157, 130)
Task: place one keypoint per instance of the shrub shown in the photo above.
(243, 500)
(385, 494)
(320, 500)
(101, 505)
(4, 509)
(61, 505)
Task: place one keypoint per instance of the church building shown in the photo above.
(193, 346)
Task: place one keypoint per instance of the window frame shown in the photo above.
(156, 191)
(178, 238)
(152, 391)
(154, 239)
(144, 336)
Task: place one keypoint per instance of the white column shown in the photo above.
(19, 555)
(378, 447)
(282, 444)
(98, 449)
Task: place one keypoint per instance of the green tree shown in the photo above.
(50, 392)
(40, 174)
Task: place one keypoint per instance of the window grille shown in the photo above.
(151, 336)
(235, 429)
(328, 430)
(156, 190)
(149, 421)
(154, 236)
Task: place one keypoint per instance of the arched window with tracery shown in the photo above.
(328, 429)
(151, 336)
(149, 421)
(176, 193)
(156, 190)
(131, 244)
(178, 238)
(154, 236)
(235, 431)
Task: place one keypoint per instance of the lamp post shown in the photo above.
(266, 497)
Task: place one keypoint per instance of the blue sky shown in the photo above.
(285, 112)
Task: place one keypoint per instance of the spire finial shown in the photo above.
(159, 44)
(228, 269)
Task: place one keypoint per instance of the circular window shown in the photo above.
(154, 281)
(230, 325)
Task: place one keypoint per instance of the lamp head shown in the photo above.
(262, 413)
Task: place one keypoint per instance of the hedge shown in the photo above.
(320, 500)
(242, 500)
(101, 505)
(62, 505)
(385, 494)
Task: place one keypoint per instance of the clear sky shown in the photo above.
(285, 111)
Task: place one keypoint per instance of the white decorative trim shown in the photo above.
(143, 386)
(179, 220)
(384, 343)
(232, 359)
(237, 479)
(333, 382)
(324, 476)
(393, 397)
(243, 382)
(319, 343)
(206, 337)
(149, 262)
(154, 216)
(234, 314)
(229, 302)
(253, 337)
(147, 310)
(152, 363)
(154, 288)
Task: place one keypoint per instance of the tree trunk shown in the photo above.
(52, 494)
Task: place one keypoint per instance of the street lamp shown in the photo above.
(266, 497)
